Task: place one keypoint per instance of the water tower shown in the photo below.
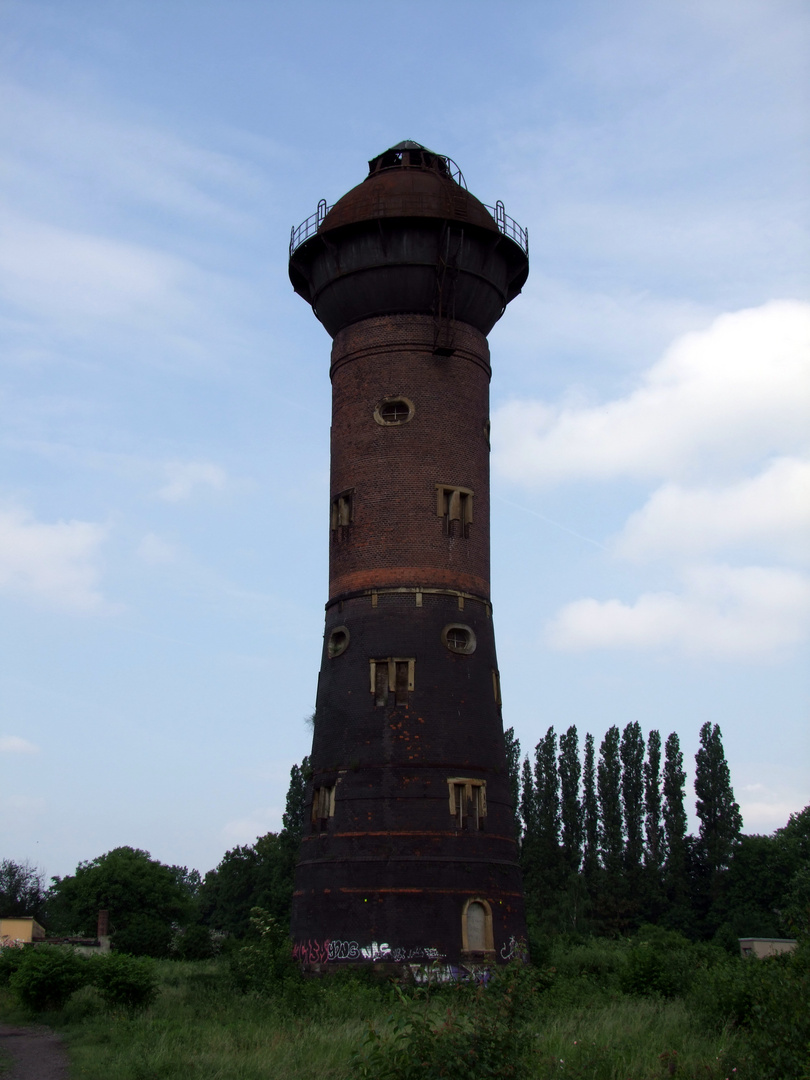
(409, 852)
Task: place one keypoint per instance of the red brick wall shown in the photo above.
(396, 537)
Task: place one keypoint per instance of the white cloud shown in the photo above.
(718, 400)
(723, 612)
(771, 509)
(13, 744)
(55, 563)
(185, 476)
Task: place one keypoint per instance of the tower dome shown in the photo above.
(409, 238)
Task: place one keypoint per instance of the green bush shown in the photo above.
(779, 1017)
(193, 943)
(47, 976)
(144, 935)
(10, 959)
(265, 966)
(663, 963)
(124, 982)
(465, 1031)
(768, 998)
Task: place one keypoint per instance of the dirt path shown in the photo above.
(37, 1053)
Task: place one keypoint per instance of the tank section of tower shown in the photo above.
(409, 854)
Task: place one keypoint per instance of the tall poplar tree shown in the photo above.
(608, 778)
(674, 829)
(570, 770)
(632, 758)
(590, 815)
(653, 828)
(512, 747)
(547, 786)
(720, 818)
(529, 859)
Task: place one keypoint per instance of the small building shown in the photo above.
(766, 946)
(20, 931)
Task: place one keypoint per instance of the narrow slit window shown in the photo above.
(496, 686)
(381, 683)
(454, 505)
(401, 682)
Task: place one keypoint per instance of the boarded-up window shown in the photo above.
(381, 684)
(468, 802)
(392, 675)
(476, 927)
(342, 513)
(454, 505)
(323, 806)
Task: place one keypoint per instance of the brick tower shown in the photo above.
(409, 852)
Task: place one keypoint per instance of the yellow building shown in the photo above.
(765, 946)
(23, 930)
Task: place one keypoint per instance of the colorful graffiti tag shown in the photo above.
(315, 951)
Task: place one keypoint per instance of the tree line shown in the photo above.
(604, 845)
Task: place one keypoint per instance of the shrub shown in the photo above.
(474, 1030)
(266, 967)
(193, 943)
(124, 982)
(144, 935)
(771, 1000)
(780, 1017)
(11, 956)
(47, 976)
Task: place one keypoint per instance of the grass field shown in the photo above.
(577, 1027)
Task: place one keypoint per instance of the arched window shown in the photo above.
(476, 928)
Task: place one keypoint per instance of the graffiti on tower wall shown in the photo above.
(322, 951)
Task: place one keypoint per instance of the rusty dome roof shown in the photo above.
(409, 181)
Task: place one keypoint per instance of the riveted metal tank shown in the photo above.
(409, 239)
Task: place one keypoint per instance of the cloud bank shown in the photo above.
(722, 424)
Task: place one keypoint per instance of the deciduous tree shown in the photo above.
(22, 890)
(143, 896)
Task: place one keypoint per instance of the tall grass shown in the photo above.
(577, 1024)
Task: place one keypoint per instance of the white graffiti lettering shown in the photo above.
(343, 950)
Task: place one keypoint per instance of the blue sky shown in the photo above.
(165, 395)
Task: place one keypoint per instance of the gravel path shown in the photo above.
(37, 1053)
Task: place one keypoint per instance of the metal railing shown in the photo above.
(309, 227)
(506, 225)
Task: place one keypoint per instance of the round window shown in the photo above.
(393, 411)
(338, 641)
(459, 638)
